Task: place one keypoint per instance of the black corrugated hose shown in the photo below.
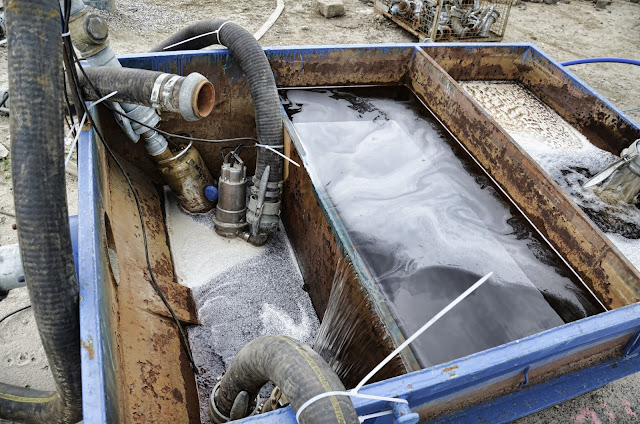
(37, 159)
(253, 62)
(297, 369)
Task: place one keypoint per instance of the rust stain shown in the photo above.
(449, 369)
(89, 347)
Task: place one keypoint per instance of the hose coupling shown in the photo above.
(192, 96)
(263, 212)
(89, 32)
(241, 408)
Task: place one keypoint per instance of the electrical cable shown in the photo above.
(68, 43)
(14, 312)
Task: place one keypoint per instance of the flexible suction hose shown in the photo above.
(602, 60)
(36, 86)
(297, 369)
(253, 62)
(192, 96)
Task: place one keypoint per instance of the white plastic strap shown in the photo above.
(364, 418)
(218, 32)
(84, 117)
(75, 140)
(196, 37)
(422, 330)
(66, 34)
(271, 148)
(350, 393)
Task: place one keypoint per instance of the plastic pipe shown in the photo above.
(602, 60)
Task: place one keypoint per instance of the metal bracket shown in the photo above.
(526, 377)
(403, 414)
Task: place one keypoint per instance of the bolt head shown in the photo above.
(96, 28)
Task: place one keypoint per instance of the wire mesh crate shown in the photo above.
(449, 20)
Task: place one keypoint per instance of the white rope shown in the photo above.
(84, 117)
(220, 29)
(271, 148)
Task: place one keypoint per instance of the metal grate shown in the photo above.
(449, 20)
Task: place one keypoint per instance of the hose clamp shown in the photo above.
(166, 93)
(155, 92)
(218, 417)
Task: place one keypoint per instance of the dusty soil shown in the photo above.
(565, 31)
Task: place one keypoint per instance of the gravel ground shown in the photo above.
(565, 31)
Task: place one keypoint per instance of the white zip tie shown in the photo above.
(84, 117)
(66, 34)
(354, 392)
(113, 93)
(350, 393)
(195, 38)
(364, 418)
(75, 140)
(422, 330)
(218, 34)
(271, 148)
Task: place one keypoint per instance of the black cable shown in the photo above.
(185, 342)
(14, 312)
(5, 97)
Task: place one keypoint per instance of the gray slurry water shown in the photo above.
(428, 224)
(241, 292)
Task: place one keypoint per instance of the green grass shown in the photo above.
(5, 168)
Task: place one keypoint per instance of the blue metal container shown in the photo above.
(496, 385)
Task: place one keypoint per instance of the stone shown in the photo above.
(331, 8)
(601, 4)
(551, 1)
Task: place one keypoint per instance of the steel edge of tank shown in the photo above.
(421, 387)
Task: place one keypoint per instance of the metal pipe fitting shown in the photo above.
(456, 16)
(404, 7)
(89, 32)
(443, 33)
(187, 176)
(192, 96)
(11, 271)
(489, 19)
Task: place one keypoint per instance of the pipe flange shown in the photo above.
(218, 417)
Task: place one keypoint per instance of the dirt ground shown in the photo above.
(571, 30)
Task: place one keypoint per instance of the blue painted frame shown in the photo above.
(425, 387)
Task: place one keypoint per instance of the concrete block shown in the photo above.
(330, 8)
